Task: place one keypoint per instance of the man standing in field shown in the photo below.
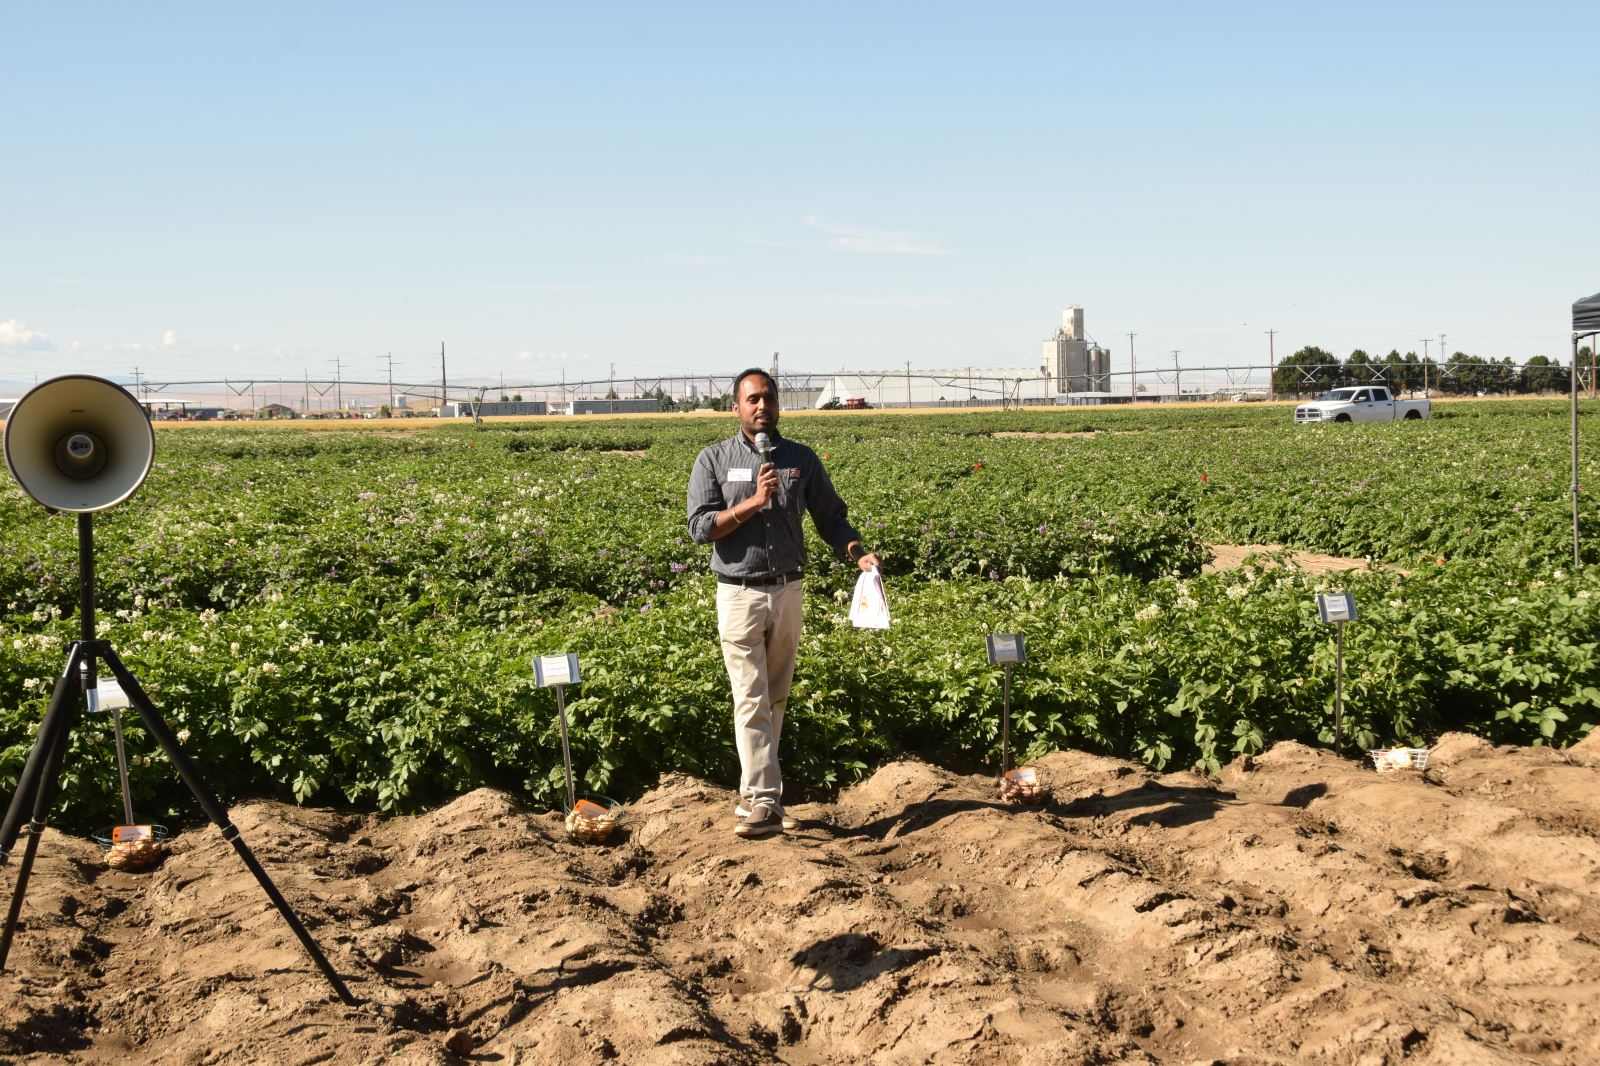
(747, 506)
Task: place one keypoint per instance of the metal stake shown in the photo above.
(122, 765)
(566, 752)
(1005, 722)
(1338, 684)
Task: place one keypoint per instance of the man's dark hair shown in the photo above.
(771, 384)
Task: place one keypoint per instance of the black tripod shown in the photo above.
(37, 784)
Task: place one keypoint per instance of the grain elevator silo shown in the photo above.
(1076, 364)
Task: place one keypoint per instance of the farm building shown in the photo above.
(633, 405)
(494, 408)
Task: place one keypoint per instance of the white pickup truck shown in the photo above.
(1361, 403)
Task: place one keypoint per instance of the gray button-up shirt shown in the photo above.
(772, 542)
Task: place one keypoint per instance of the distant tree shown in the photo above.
(384, 412)
(504, 398)
(1543, 374)
(1399, 373)
(516, 398)
(611, 393)
(1357, 370)
(1310, 370)
(1503, 376)
(1466, 375)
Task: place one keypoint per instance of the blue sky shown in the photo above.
(205, 190)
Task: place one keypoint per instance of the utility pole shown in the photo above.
(1441, 347)
(307, 407)
(908, 384)
(1133, 370)
(1272, 364)
(390, 403)
(444, 382)
(1177, 374)
(338, 382)
(1424, 342)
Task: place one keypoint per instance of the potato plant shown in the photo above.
(348, 618)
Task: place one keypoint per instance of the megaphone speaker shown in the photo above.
(79, 443)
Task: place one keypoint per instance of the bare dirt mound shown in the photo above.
(1302, 909)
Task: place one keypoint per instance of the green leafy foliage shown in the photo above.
(348, 618)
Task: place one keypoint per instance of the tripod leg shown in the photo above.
(63, 705)
(214, 811)
(43, 795)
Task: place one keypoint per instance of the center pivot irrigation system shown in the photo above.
(858, 389)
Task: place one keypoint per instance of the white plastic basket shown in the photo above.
(1387, 760)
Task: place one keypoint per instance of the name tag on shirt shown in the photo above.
(738, 474)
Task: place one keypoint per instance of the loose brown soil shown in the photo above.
(1303, 908)
(1233, 556)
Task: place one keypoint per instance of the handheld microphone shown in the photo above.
(765, 446)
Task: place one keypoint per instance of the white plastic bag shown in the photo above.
(869, 608)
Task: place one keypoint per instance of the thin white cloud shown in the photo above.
(885, 301)
(15, 334)
(169, 339)
(879, 242)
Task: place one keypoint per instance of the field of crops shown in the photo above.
(348, 618)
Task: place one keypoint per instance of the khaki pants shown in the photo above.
(760, 631)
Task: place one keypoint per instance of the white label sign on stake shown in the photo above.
(1336, 606)
(556, 670)
(1006, 648)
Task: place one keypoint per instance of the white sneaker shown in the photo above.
(789, 821)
